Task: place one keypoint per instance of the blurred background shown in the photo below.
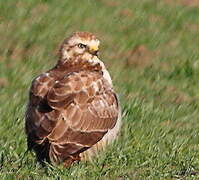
(150, 48)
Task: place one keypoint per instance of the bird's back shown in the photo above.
(69, 112)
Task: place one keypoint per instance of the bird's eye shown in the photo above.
(80, 45)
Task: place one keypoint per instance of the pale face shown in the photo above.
(86, 46)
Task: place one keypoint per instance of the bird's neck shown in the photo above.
(78, 63)
(67, 55)
(81, 63)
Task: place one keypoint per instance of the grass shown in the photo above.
(151, 50)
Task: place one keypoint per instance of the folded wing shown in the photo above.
(79, 109)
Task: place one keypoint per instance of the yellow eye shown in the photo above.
(80, 45)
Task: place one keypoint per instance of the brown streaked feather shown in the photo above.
(69, 111)
(98, 109)
(85, 35)
(86, 114)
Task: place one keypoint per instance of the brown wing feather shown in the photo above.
(40, 118)
(88, 107)
(73, 113)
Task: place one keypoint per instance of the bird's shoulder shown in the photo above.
(81, 85)
(42, 83)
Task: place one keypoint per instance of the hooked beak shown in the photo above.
(93, 50)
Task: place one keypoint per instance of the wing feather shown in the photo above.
(90, 107)
(73, 113)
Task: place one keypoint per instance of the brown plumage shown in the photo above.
(73, 111)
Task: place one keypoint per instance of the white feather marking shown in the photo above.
(38, 78)
(95, 86)
(106, 74)
(47, 74)
(101, 103)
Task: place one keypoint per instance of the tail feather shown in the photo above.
(41, 150)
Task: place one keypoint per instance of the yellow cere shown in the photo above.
(93, 48)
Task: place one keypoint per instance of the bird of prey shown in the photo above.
(73, 111)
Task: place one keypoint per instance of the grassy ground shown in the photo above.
(151, 50)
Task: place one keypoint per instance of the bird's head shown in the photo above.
(82, 44)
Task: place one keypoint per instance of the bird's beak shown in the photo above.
(93, 50)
